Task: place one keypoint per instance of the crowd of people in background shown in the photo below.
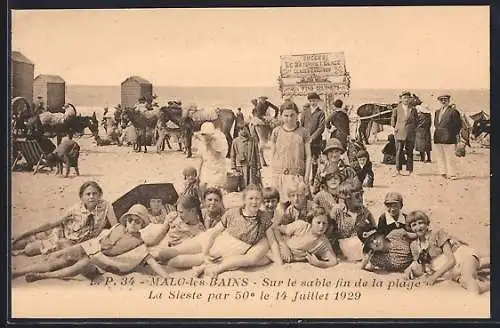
(312, 210)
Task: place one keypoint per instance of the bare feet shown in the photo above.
(197, 271)
(397, 173)
(32, 277)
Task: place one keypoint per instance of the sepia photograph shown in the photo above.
(273, 162)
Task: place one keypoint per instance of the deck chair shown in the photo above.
(32, 152)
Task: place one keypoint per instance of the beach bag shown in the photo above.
(460, 150)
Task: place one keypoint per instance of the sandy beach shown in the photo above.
(461, 207)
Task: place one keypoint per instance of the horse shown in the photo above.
(113, 133)
(142, 121)
(261, 133)
(75, 125)
(378, 113)
(222, 118)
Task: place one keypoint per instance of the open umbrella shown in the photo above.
(141, 194)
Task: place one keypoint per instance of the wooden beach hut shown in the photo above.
(134, 88)
(53, 90)
(22, 74)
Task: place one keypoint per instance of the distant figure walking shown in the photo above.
(404, 121)
(423, 142)
(447, 123)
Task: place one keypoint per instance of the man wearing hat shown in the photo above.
(404, 121)
(447, 124)
(315, 127)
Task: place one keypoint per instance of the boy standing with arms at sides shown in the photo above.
(315, 127)
(245, 158)
(291, 151)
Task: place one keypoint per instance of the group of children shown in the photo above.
(286, 222)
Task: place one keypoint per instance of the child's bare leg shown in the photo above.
(61, 260)
(156, 267)
(112, 265)
(67, 272)
(468, 278)
(187, 261)
(186, 247)
(33, 249)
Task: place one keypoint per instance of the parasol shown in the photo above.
(141, 194)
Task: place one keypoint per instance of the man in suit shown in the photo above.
(447, 124)
(315, 127)
(404, 121)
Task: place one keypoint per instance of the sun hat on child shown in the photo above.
(207, 128)
(332, 144)
(138, 210)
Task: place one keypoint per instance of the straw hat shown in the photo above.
(136, 210)
(445, 96)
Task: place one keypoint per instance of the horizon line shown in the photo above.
(268, 86)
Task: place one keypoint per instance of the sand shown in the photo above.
(460, 206)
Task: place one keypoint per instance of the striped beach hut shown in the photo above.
(53, 90)
(22, 73)
(134, 88)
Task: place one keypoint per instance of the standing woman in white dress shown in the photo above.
(212, 146)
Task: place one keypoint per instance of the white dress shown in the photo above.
(213, 152)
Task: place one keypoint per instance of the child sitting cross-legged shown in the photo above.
(444, 256)
(117, 250)
(302, 241)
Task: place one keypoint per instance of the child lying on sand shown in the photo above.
(120, 243)
(302, 241)
(445, 256)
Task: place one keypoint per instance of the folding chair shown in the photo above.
(32, 152)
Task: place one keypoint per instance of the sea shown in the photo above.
(93, 98)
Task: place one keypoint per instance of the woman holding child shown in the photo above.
(79, 223)
(241, 239)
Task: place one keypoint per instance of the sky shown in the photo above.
(435, 47)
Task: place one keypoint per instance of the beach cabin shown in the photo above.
(53, 90)
(22, 73)
(134, 88)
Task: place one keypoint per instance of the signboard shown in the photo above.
(322, 64)
(303, 89)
